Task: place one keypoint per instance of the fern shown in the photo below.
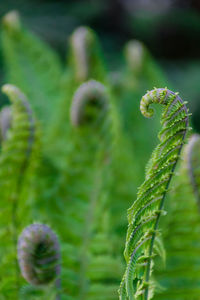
(144, 214)
(91, 61)
(85, 58)
(142, 68)
(140, 73)
(17, 165)
(39, 256)
(181, 277)
(80, 180)
(32, 66)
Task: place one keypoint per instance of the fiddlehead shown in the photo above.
(39, 255)
(17, 162)
(141, 65)
(85, 56)
(84, 63)
(144, 214)
(31, 65)
(87, 154)
(135, 54)
(89, 101)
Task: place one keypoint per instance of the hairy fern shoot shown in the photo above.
(17, 164)
(180, 279)
(144, 214)
(39, 255)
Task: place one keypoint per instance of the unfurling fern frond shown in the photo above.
(141, 65)
(144, 214)
(90, 99)
(39, 255)
(85, 56)
(32, 66)
(85, 63)
(86, 156)
(141, 72)
(180, 279)
(17, 165)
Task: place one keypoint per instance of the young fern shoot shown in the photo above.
(144, 214)
(17, 162)
(39, 256)
(180, 279)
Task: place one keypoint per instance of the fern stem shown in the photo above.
(144, 214)
(154, 234)
(147, 277)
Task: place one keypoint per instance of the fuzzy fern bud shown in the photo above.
(80, 41)
(85, 57)
(135, 54)
(89, 99)
(39, 254)
(12, 21)
(144, 214)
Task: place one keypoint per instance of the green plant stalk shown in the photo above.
(145, 212)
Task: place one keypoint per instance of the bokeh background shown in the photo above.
(170, 29)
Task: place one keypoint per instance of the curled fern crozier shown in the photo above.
(144, 214)
(39, 254)
(89, 97)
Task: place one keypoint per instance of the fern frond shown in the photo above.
(39, 255)
(17, 162)
(85, 56)
(89, 103)
(80, 180)
(181, 277)
(85, 62)
(141, 65)
(144, 214)
(31, 65)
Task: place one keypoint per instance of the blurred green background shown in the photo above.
(170, 29)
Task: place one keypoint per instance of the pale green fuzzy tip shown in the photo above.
(81, 41)
(13, 93)
(10, 90)
(135, 54)
(12, 20)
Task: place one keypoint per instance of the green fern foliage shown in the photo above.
(72, 154)
(144, 214)
(17, 164)
(90, 134)
(85, 62)
(180, 279)
(32, 66)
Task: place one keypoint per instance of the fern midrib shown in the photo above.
(147, 277)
